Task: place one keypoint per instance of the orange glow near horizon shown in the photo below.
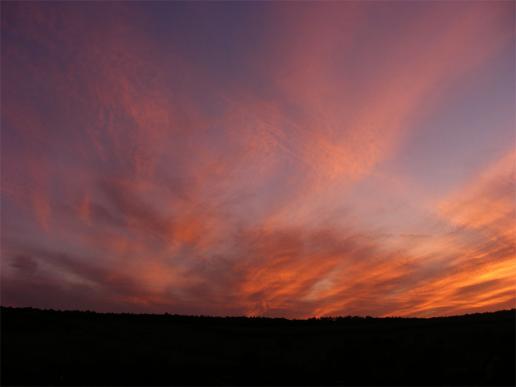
(277, 159)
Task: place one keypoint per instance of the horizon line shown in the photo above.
(250, 317)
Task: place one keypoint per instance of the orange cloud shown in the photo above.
(157, 189)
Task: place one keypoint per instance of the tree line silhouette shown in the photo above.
(47, 347)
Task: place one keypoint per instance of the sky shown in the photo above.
(283, 159)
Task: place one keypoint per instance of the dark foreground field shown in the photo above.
(82, 348)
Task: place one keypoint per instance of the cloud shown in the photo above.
(133, 181)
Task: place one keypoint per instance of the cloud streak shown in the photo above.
(153, 166)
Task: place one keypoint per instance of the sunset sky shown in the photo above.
(289, 159)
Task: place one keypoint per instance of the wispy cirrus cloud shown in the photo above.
(140, 174)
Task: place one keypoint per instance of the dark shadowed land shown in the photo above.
(41, 347)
